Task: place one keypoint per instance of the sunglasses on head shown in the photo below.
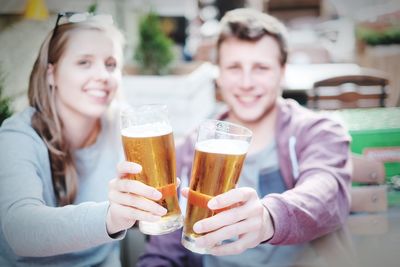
(76, 17)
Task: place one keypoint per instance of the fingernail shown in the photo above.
(197, 227)
(163, 211)
(157, 194)
(212, 204)
(136, 168)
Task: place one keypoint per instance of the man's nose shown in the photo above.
(247, 81)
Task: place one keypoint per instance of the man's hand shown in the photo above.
(248, 221)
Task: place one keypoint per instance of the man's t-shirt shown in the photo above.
(261, 172)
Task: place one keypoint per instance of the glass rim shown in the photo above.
(142, 107)
(247, 133)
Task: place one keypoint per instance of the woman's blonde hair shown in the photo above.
(46, 121)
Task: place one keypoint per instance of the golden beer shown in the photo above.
(216, 169)
(152, 146)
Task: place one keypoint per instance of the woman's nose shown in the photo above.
(101, 72)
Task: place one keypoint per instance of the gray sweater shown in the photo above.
(34, 231)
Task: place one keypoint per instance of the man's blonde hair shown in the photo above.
(251, 25)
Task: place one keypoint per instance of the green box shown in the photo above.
(375, 133)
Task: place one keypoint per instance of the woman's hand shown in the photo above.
(131, 200)
(248, 221)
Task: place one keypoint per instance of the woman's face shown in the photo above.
(250, 77)
(87, 75)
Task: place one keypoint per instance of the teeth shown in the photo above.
(247, 99)
(97, 93)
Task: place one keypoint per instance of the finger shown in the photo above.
(236, 247)
(135, 201)
(231, 231)
(185, 192)
(127, 167)
(232, 197)
(131, 214)
(135, 187)
(228, 217)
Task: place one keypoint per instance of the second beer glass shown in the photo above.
(148, 140)
(220, 151)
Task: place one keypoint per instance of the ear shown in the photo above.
(283, 69)
(50, 75)
(217, 76)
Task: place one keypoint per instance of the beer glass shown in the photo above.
(148, 140)
(220, 151)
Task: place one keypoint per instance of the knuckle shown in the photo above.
(236, 214)
(236, 228)
(131, 215)
(209, 241)
(238, 248)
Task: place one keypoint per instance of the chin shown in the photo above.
(96, 112)
(251, 115)
(245, 117)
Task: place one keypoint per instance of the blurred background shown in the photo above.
(365, 32)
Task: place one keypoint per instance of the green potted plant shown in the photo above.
(373, 36)
(154, 51)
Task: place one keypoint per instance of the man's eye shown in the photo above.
(233, 67)
(111, 66)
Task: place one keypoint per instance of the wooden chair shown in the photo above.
(368, 202)
(349, 91)
(372, 197)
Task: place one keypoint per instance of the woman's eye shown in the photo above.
(84, 63)
(262, 68)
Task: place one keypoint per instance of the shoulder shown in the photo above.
(17, 131)
(296, 118)
(20, 124)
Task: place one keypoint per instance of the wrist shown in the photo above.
(269, 228)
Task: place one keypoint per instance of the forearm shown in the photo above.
(315, 207)
(39, 231)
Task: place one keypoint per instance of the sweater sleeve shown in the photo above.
(31, 226)
(320, 199)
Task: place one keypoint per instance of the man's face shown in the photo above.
(250, 77)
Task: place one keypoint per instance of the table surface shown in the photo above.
(380, 246)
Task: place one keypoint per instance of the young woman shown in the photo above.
(59, 156)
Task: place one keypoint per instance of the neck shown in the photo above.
(81, 132)
(263, 129)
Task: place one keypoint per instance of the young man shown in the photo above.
(295, 182)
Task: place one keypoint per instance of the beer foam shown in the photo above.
(147, 130)
(223, 146)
